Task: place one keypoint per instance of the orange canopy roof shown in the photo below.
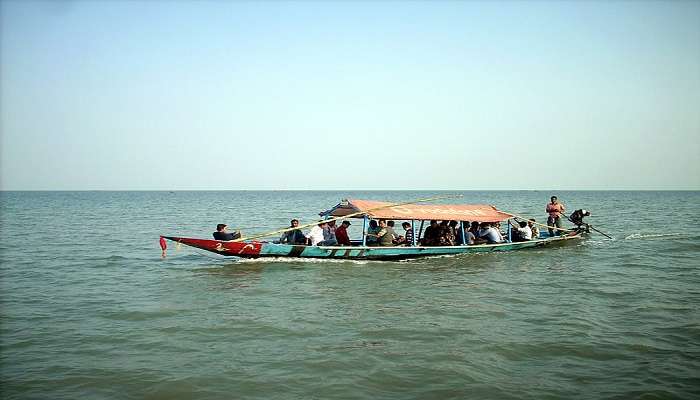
(456, 212)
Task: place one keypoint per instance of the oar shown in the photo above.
(537, 223)
(346, 216)
(591, 226)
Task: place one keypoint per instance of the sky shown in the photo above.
(349, 95)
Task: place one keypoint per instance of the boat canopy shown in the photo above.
(456, 212)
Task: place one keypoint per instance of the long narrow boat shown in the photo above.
(366, 210)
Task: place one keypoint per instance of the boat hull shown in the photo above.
(255, 249)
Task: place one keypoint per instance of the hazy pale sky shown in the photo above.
(350, 95)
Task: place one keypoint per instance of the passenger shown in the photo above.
(329, 234)
(535, 230)
(520, 232)
(341, 234)
(430, 237)
(408, 239)
(490, 234)
(221, 233)
(455, 229)
(497, 226)
(474, 228)
(372, 230)
(384, 236)
(390, 228)
(315, 235)
(295, 236)
(482, 229)
(555, 211)
(468, 236)
(446, 235)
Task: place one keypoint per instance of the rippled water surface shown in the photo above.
(90, 310)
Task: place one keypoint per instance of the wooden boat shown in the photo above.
(367, 210)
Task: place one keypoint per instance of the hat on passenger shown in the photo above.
(346, 222)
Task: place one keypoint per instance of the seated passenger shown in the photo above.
(474, 228)
(520, 232)
(408, 239)
(390, 228)
(329, 234)
(221, 233)
(372, 230)
(454, 228)
(294, 236)
(535, 230)
(341, 234)
(468, 236)
(446, 236)
(315, 235)
(497, 226)
(489, 233)
(430, 237)
(384, 236)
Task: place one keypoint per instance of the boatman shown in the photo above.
(576, 218)
(555, 210)
(221, 233)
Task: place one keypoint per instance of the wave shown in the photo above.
(652, 235)
(300, 260)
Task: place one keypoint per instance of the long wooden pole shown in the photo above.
(604, 234)
(346, 216)
(591, 226)
(537, 223)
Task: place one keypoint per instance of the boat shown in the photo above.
(416, 214)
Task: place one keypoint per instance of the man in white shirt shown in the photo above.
(315, 235)
(489, 233)
(520, 232)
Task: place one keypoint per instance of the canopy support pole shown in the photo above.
(365, 222)
(510, 239)
(461, 224)
(420, 231)
(413, 230)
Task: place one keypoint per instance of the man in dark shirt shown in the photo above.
(221, 233)
(577, 219)
(430, 237)
(294, 236)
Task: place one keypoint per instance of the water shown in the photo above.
(90, 310)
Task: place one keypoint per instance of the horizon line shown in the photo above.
(349, 190)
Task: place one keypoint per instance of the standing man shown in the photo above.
(555, 210)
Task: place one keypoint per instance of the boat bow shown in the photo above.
(240, 249)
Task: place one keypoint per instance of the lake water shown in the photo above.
(90, 310)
